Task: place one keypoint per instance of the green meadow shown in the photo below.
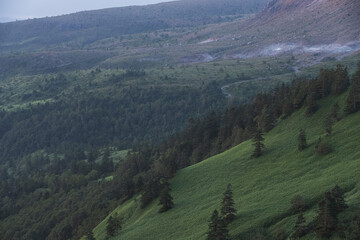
(262, 187)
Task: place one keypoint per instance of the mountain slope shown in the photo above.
(87, 27)
(262, 187)
(318, 21)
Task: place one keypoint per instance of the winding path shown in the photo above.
(225, 87)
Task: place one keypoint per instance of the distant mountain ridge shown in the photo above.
(86, 27)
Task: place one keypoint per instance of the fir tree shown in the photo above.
(311, 104)
(217, 228)
(228, 212)
(112, 226)
(335, 112)
(280, 233)
(300, 228)
(353, 101)
(297, 204)
(326, 222)
(338, 196)
(341, 81)
(166, 199)
(258, 143)
(302, 140)
(90, 235)
(328, 125)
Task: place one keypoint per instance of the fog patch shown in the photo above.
(297, 49)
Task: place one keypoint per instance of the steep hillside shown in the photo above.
(312, 21)
(86, 27)
(262, 187)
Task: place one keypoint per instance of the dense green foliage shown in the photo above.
(284, 141)
(72, 175)
(263, 187)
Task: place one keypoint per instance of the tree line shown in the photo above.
(146, 169)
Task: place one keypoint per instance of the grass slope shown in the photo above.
(262, 187)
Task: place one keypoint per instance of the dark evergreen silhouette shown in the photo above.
(342, 80)
(322, 148)
(166, 200)
(311, 104)
(328, 125)
(90, 235)
(353, 101)
(327, 219)
(297, 204)
(300, 228)
(113, 225)
(280, 233)
(228, 212)
(335, 112)
(302, 140)
(258, 140)
(338, 196)
(217, 228)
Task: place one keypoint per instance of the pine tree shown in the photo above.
(353, 101)
(311, 104)
(258, 143)
(302, 140)
(338, 196)
(112, 226)
(300, 228)
(328, 125)
(217, 228)
(335, 112)
(341, 81)
(90, 235)
(228, 212)
(326, 222)
(166, 199)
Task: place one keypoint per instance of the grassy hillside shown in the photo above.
(262, 187)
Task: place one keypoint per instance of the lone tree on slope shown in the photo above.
(300, 228)
(90, 235)
(228, 212)
(326, 222)
(302, 140)
(113, 225)
(338, 196)
(258, 140)
(166, 199)
(328, 125)
(217, 228)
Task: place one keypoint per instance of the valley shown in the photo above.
(100, 111)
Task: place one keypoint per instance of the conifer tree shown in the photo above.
(302, 140)
(338, 196)
(300, 228)
(228, 212)
(297, 204)
(112, 226)
(353, 101)
(328, 125)
(90, 235)
(335, 112)
(166, 199)
(326, 222)
(341, 81)
(258, 140)
(217, 228)
(311, 104)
